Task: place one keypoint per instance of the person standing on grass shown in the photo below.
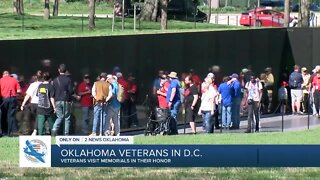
(113, 109)
(32, 92)
(9, 88)
(191, 98)
(86, 102)
(63, 92)
(46, 104)
(102, 93)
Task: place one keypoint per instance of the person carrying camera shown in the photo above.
(254, 94)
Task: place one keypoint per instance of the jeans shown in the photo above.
(85, 118)
(174, 109)
(207, 119)
(100, 115)
(41, 119)
(10, 107)
(253, 110)
(235, 116)
(113, 113)
(63, 112)
(226, 116)
(316, 96)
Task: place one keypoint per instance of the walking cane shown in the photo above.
(185, 120)
(308, 109)
(101, 118)
(64, 113)
(220, 122)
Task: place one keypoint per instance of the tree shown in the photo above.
(55, 8)
(304, 13)
(149, 11)
(286, 13)
(164, 15)
(226, 3)
(209, 10)
(248, 4)
(92, 12)
(18, 5)
(46, 14)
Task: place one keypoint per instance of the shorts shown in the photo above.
(296, 95)
(190, 114)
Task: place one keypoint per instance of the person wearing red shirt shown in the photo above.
(316, 89)
(162, 92)
(124, 110)
(9, 87)
(133, 119)
(86, 102)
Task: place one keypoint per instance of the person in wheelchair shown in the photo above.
(160, 122)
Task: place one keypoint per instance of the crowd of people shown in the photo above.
(46, 104)
(112, 100)
(235, 95)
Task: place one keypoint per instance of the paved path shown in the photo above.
(268, 124)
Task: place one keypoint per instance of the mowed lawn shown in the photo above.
(9, 166)
(35, 27)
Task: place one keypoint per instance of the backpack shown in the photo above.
(294, 80)
(120, 94)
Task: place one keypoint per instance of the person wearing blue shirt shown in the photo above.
(225, 90)
(173, 100)
(113, 109)
(236, 100)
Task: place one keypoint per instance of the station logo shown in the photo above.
(35, 151)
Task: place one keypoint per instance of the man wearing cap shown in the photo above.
(102, 93)
(113, 109)
(10, 88)
(63, 93)
(311, 88)
(86, 102)
(305, 89)
(236, 100)
(173, 100)
(268, 82)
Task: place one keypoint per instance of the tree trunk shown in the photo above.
(18, 6)
(164, 8)
(248, 4)
(21, 6)
(304, 13)
(55, 8)
(286, 13)
(46, 14)
(226, 3)
(92, 9)
(149, 10)
(155, 11)
(209, 10)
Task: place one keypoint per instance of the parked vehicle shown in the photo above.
(272, 3)
(313, 7)
(263, 17)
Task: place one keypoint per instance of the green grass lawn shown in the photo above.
(35, 27)
(9, 166)
(37, 6)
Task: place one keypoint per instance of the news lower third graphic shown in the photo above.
(84, 151)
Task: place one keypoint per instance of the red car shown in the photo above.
(264, 17)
